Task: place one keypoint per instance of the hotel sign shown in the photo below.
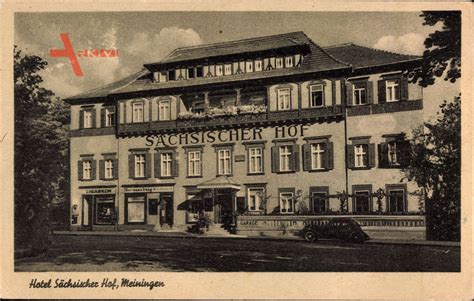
(150, 189)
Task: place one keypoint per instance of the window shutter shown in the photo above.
(81, 119)
(383, 155)
(350, 156)
(102, 117)
(306, 156)
(275, 159)
(79, 170)
(101, 169)
(404, 152)
(370, 92)
(157, 165)
(349, 100)
(329, 155)
(371, 155)
(403, 88)
(93, 169)
(115, 169)
(381, 89)
(93, 117)
(131, 166)
(148, 166)
(175, 166)
(296, 157)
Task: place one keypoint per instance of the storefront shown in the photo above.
(98, 207)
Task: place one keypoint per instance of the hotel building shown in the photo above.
(262, 133)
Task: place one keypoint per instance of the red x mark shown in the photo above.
(67, 52)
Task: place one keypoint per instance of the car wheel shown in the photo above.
(310, 236)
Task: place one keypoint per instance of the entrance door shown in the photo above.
(87, 207)
(166, 209)
(223, 209)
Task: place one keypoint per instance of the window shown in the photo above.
(224, 162)
(283, 99)
(87, 121)
(249, 66)
(137, 112)
(255, 160)
(105, 208)
(285, 157)
(227, 69)
(316, 96)
(317, 156)
(396, 200)
(318, 202)
(361, 155)
(136, 209)
(392, 90)
(171, 75)
(109, 116)
(87, 170)
(219, 70)
(258, 65)
(289, 61)
(255, 196)
(191, 72)
(279, 63)
(140, 162)
(359, 94)
(286, 202)
(164, 110)
(166, 159)
(199, 71)
(392, 153)
(109, 169)
(362, 201)
(194, 163)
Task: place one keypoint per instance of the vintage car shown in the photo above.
(337, 228)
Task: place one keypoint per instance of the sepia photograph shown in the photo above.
(170, 150)
(237, 141)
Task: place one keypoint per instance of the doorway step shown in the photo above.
(216, 229)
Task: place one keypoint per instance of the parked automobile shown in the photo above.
(337, 228)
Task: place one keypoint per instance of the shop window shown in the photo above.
(224, 162)
(164, 110)
(284, 100)
(316, 93)
(105, 208)
(255, 197)
(287, 202)
(137, 112)
(255, 159)
(152, 207)
(136, 209)
(194, 163)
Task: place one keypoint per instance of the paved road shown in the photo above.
(94, 253)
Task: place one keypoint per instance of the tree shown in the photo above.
(41, 153)
(443, 49)
(435, 165)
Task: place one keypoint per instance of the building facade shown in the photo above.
(262, 133)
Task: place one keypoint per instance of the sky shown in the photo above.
(146, 37)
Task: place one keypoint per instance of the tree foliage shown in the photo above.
(435, 165)
(443, 48)
(41, 152)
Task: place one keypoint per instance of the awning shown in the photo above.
(221, 182)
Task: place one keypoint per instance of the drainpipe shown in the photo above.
(344, 109)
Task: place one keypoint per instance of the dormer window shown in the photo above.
(289, 61)
(171, 75)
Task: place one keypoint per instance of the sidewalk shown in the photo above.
(178, 234)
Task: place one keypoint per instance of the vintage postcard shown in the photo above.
(236, 150)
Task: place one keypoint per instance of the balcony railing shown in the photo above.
(229, 120)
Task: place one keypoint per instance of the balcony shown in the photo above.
(230, 117)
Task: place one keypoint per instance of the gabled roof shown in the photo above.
(362, 57)
(236, 47)
(109, 88)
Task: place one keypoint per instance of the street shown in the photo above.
(118, 253)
